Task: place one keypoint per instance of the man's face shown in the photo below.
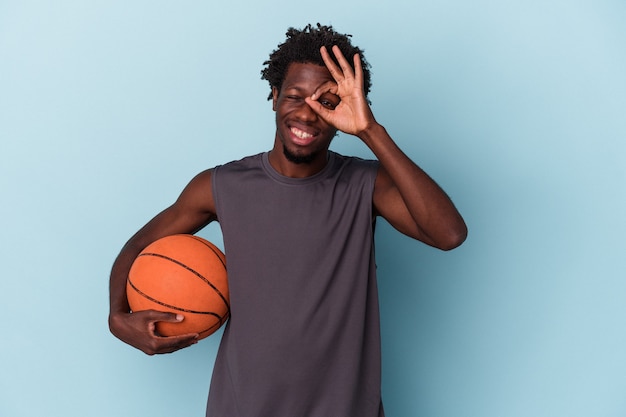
(304, 135)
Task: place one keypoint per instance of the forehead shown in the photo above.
(306, 76)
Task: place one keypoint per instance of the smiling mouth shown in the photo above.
(301, 133)
(300, 137)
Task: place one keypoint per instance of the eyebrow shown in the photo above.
(298, 88)
(293, 87)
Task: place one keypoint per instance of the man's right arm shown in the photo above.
(193, 210)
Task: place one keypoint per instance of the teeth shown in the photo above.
(301, 134)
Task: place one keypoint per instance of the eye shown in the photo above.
(328, 103)
(291, 100)
(329, 100)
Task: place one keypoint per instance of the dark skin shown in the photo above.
(313, 104)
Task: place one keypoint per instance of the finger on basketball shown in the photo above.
(167, 316)
(174, 343)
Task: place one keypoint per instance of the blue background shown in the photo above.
(517, 108)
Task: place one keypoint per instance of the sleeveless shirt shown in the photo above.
(303, 338)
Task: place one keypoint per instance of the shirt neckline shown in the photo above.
(276, 176)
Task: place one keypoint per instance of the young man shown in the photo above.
(303, 338)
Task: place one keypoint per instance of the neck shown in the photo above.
(289, 168)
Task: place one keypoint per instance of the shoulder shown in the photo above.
(354, 167)
(354, 163)
(202, 186)
(241, 164)
(233, 173)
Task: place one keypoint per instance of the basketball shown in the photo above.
(182, 274)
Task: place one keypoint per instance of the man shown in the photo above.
(303, 338)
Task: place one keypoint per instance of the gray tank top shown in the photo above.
(303, 338)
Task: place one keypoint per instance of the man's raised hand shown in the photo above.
(352, 115)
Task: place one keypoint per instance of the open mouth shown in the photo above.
(300, 137)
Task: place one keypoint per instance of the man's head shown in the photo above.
(303, 46)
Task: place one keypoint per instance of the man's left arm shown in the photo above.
(409, 199)
(403, 194)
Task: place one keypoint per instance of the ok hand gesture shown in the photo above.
(353, 114)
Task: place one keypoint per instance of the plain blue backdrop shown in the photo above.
(517, 108)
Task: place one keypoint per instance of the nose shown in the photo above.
(305, 113)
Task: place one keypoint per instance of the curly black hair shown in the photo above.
(303, 46)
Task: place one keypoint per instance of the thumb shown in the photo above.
(176, 317)
(167, 316)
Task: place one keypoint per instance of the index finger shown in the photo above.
(327, 87)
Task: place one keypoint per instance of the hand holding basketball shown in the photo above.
(186, 276)
(138, 330)
(177, 291)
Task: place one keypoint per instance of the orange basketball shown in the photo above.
(183, 274)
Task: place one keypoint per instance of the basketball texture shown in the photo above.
(183, 274)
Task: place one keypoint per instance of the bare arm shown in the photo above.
(194, 209)
(409, 199)
(403, 194)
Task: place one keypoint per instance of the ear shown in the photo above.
(275, 93)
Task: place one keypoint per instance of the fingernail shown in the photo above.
(180, 317)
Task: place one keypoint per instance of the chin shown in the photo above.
(299, 158)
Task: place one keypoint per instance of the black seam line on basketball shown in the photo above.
(215, 326)
(184, 310)
(217, 255)
(212, 249)
(196, 273)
